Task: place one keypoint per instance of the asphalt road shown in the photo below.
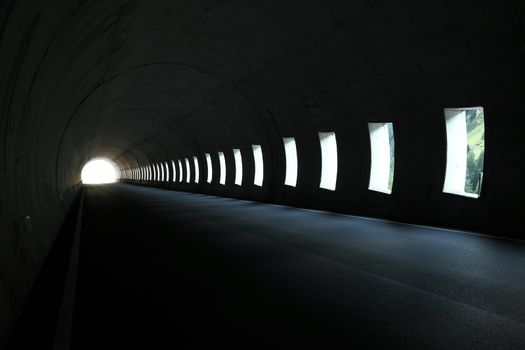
(163, 269)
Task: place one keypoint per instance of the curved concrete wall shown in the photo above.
(147, 81)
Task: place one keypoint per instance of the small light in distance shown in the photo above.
(99, 171)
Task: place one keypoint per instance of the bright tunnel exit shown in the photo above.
(99, 171)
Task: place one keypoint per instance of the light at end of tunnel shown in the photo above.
(99, 171)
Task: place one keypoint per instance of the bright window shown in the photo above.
(167, 177)
(180, 170)
(154, 172)
(99, 171)
(173, 169)
(150, 176)
(187, 163)
(161, 167)
(238, 166)
(328, 160)
(290, 151)
(259, 165)
(222, 169)
(196, 166)
(209, 168)
(382, 162)
(465, 151)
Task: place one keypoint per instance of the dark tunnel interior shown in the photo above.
(147, 82)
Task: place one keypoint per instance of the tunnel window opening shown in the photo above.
(99, 171)
(180, 170)
(238, 166)
(196, 166)
(328, 160)
(149, 172)
(158, 172)
(154, 172)
(166, 172)
(290, 151)
(383, 157)
(173, 168)
(259, 165)
(161, 166)
(465, 151)
(222, 169)
(209, 168)
(188, 174)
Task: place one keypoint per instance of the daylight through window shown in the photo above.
(465, 151)
(290, 151)
(382, 152)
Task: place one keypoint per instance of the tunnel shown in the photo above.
(287, 173)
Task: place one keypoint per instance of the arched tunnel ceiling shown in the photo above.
(161, 77)
(140, 81)
(146, 81)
